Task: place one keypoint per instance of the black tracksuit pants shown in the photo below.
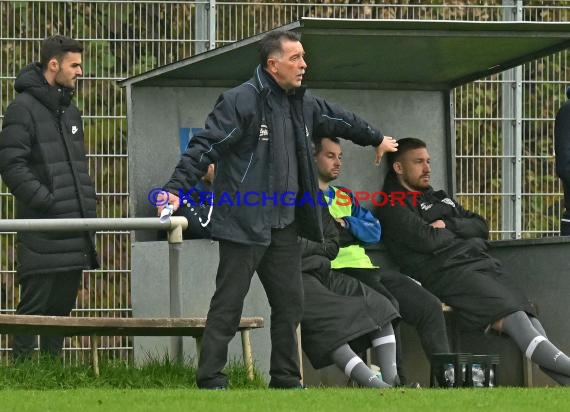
(279, 269)
(52, 294)
(417, 305)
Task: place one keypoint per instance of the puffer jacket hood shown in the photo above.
(32, 80)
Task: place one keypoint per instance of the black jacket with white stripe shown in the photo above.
(239, 137)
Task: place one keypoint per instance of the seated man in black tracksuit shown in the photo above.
(342, 316)
(443, 246)
(562, 150)
(358, 227)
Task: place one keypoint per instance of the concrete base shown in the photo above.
(199, 262)
(541, 266)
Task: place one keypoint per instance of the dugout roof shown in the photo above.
(378, 54)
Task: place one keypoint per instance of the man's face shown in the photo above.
(68, 70)
(329, 160)
(288, 67)
(413, 169)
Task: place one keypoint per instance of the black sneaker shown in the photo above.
(411, 385)
(296, 387)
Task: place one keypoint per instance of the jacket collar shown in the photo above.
(264, 83)
(31, 80)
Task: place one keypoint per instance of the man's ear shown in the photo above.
(53, 65)
(272, 65)
(397, 166)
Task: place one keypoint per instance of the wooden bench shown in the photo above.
(95, 327)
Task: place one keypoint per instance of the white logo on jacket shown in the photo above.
(448, 201)
(264, 132)
(426, 206)
(74, 129)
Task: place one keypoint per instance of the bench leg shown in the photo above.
(198, 347)
(94, 354)
(247, 355)
(455, 334)
(368, 357)
(527, 371)
(300, 353)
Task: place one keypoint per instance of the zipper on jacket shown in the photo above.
(247, 168)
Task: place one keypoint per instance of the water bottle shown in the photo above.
(166, 213)
(449, 375)
(478, 375)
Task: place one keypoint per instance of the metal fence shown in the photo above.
(124, 38)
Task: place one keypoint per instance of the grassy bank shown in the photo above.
(49, 373)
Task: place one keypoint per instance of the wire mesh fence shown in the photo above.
(124, 38)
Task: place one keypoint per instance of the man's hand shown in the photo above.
(165, 198)
(438, 224)
(389, 144)
(341, 221)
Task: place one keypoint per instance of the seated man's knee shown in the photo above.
(431, 306)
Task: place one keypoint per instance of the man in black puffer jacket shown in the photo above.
(43, 163)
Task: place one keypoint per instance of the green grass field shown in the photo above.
(160, 385)
(313, 400)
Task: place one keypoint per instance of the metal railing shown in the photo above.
(174, 225)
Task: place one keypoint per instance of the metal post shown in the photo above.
(212, 25)
(451, 143)
(201, 24)
(512, 138)
(174, 246)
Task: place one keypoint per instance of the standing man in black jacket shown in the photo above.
(562, 150)
(259, 135)
(43, 163)
(444, 246)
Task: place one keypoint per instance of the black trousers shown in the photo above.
(279, 268)
(51, 294)
(565, 222)
(417, 305)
